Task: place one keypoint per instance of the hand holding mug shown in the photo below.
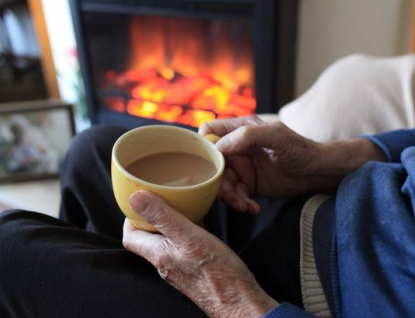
(263, 159)
(194, 261)
(271, 160)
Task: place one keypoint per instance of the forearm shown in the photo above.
(340, 158)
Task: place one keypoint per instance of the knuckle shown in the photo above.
(162, 255)
(159, 261)
(164, 272)
(245, 131)
(279, 132)
(205, 127)
(277, 125)
(255, 120)
(163, 262)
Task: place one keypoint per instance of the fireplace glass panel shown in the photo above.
(172, 69)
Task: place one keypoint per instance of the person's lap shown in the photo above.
(49, 268)
(53, 268)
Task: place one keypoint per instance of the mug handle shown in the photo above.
(212, 137)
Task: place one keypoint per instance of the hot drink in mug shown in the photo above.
(181, 166)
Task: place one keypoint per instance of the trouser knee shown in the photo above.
(12, 224)
(97, 139)
(90, 147)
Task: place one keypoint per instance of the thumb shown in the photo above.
(155, 211)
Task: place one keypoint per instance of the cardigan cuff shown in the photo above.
(287, 310)
(394, 142)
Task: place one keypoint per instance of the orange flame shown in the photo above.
(185, 71)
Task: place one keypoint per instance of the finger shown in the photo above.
(234, 201)
(249, 205)
(165, 219)
(227, 186)
(253, 207)
(244, 171)
(221, 127)
(140, 242)
(235, 194)
(242, 204)
(248, 138)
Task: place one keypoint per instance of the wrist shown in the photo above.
(256, 304)
(340, 158)
(248, 300)
(348, 156)
(263, 306)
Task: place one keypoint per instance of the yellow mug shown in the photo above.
(193, 201)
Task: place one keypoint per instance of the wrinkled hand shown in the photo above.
(263, 159)
(270, 160)
(195, 262)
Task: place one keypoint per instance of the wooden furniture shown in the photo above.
(48, 66)
(412, 40)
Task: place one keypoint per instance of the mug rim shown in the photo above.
(201, 138)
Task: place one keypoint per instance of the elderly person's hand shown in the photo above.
(270, 160)
(195, 262)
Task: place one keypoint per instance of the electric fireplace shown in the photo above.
(184, 62)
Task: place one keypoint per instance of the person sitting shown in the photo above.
(302, 227)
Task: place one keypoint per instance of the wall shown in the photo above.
(63, 45)
(331, 29)
(62, 41)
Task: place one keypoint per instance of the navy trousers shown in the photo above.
(76, 266)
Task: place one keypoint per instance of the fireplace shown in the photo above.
(184, 62)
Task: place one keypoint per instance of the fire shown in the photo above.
(180, 76)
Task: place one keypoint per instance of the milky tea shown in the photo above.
(174, 169)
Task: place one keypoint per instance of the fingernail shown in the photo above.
(139, 201)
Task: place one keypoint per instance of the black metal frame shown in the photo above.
(274, 24)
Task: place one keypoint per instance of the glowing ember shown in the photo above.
(189, 101)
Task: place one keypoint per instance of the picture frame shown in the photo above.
(34, 138)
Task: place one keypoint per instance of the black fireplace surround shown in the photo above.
(272, 24)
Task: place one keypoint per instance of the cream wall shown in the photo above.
(331, 29)
(62, 40)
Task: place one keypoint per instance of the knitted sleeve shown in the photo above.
(287, 310)
(394, 142)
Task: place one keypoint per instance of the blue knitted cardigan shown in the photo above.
(364, 239)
